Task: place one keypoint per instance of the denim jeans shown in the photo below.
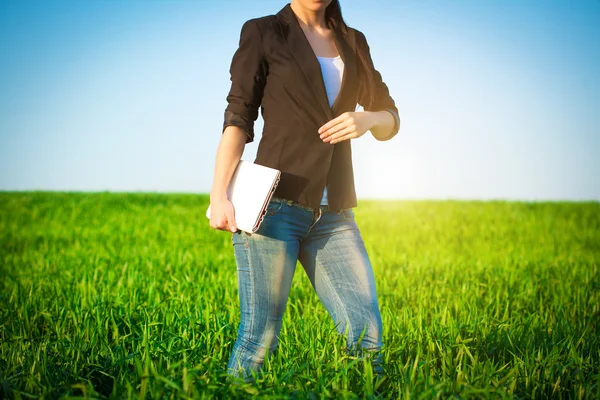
(329, 246)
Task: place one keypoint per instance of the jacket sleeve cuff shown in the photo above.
(396, 119)
(234, 119)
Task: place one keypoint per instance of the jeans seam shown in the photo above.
(342, 306)
(252, 301)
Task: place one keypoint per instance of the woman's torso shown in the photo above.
(276, 68)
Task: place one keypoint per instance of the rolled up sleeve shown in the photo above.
(382, 99)
(248, 72)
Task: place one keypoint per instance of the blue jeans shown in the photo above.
(329, 246)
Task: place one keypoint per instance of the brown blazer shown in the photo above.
(275, 68)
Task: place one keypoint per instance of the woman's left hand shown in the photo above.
(349, 125)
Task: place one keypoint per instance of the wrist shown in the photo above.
(217, 195)
(376, 118)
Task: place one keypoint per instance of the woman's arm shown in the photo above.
(383, 127)
(352, 125)
(249, 70)
(229, 153)
(248, 76)
(380, 116)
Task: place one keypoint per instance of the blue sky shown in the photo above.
(498, 99)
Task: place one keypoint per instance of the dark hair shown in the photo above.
(333, 17)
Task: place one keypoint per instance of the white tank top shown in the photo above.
(332, 69)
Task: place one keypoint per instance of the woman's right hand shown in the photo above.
(222, 215)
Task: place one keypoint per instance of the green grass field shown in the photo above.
(133, 295)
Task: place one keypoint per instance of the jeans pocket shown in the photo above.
(274, 207)
(238, 237)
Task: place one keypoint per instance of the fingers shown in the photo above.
(224, 222)
(332, 123)
(218, 222)
(342, 126)
(343, 136)
(231, 221)
(348, 132)
(224, 225)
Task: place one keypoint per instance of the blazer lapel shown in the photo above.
(307, 60)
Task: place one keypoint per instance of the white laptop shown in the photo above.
(250, 190)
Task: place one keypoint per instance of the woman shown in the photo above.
(306, 70)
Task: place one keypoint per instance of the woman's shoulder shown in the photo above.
(358, 34)
(264, 22)
(359, 37)
(257, 28)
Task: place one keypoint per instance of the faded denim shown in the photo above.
(329, 246)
